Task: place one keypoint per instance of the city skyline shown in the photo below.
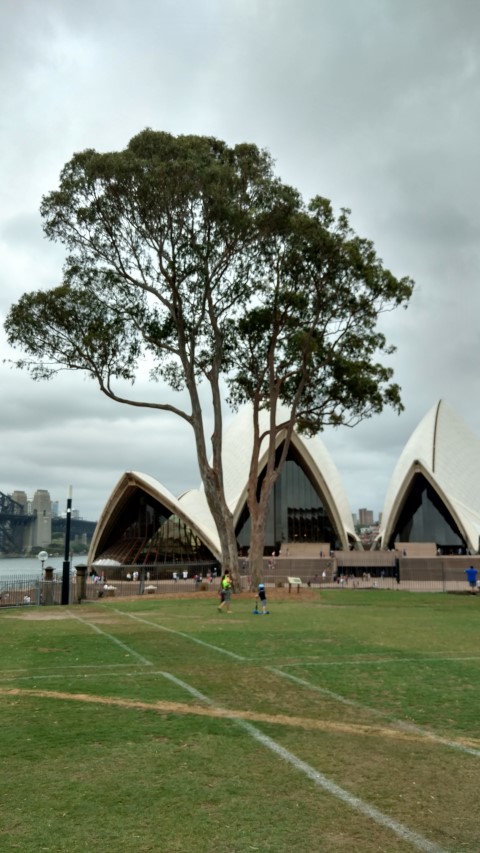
(57, 512)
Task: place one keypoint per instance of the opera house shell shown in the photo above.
(434, 494)
(143, 522)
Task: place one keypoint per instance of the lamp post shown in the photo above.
(42, 556)
(66, 562)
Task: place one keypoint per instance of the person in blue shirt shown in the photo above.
(471, 574)
(263, 597)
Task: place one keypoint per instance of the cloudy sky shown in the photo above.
(374, 104)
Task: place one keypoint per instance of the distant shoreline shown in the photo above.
(34, 556)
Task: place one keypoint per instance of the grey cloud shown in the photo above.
(373, 104)
(23, 231)
(92, 453)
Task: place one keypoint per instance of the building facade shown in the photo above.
(143, 522)
(433, 500)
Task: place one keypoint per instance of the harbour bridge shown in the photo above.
(16, 523)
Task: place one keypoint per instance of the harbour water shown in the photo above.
(31, 567)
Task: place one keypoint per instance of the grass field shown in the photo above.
(345, 720)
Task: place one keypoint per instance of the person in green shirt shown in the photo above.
(226, 590)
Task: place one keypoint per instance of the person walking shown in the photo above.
(226, 590)
(471, 574)
(262, 595)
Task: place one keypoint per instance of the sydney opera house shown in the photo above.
(434, 493)
(433, 498)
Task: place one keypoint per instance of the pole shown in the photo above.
(66, 562)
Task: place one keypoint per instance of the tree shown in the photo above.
(307, 350)
(195, 255)
(161, 240)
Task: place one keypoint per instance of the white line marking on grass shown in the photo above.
(399, 724)
(318, 778)
(320, 660)
(361, 661)
(8, 671)
(113, 639)
(181, 634)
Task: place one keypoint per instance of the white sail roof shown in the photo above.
(447, 453)
(237, 450)
(192, 506)
(201, 522)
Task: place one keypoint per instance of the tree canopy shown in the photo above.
(195, 255)
(309, 349)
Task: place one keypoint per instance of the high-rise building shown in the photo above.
(365, 517)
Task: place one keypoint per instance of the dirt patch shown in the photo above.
(202, 711)
(48, 651)
(273, 594)
(39, 615)
(276, 594)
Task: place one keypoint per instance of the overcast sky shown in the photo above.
(374, 104)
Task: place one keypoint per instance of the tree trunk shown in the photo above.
(256, 551)
(233, 554)
(224, 523)
(212, 473)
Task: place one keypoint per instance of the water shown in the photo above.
(31, 567)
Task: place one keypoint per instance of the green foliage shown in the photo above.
(197, 255)
(71, 328)
(310, 340)
(159, 239)
(193, 257)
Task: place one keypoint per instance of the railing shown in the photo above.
(25, 591)
(159, 578)
(413, 574)
(435, 574)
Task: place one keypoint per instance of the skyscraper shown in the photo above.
(365, 517)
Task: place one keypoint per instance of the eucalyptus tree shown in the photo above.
(160, 242)
(309, 347)
(195, 256)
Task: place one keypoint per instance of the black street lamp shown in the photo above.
(66, 562)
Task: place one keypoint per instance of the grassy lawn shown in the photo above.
(345, 720)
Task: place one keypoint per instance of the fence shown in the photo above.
(377, 570)
(24, 591)
(435, 574)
